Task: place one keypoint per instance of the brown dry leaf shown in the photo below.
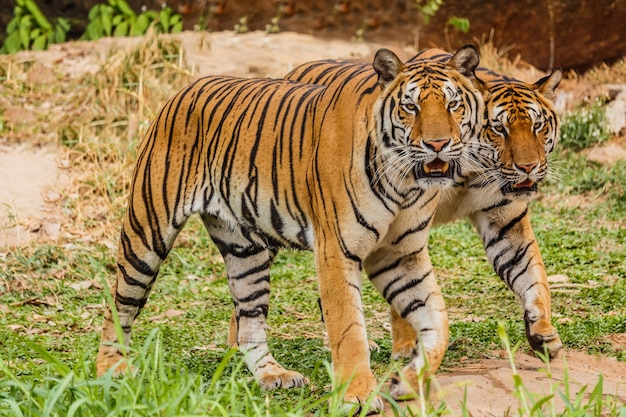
(618, 340)
(38, 318)
(558, 278)
(85, 285)
(210, 346)
(611, 280)
(36, 301)
(171, 313)
(82, 285)
(16, 327)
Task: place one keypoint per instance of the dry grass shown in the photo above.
(98, 118)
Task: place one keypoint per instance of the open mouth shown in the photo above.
(435, 169)
(525, 186)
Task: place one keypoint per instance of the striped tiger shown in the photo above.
(353, 174)
(508, 161)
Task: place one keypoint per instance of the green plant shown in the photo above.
(118, 19)
(273, 27)
(242, 26)
(584, 127)
(426, 10)
(459, 23)
(30, 29)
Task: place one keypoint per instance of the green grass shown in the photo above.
(51, 295)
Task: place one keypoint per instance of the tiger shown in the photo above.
(508, 161)
(352, 174)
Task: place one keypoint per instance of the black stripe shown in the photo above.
(420, 227)
(254, 270)
(506, 228)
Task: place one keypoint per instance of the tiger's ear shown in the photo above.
(387, 65)
(465, 60)
(548, 84)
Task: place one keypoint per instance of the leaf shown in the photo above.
(165, 19)
(117, 19)
(122, 29)
(141, 25)
(123, 7)
(64, 23)
(83, 285)
(12, 43)
(40, 43)
(59, 34)
(24, 31)
(106, 21)
(39, 17)
(460, 23)
(94, 12)
(12, 26)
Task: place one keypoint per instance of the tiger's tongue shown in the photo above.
(525, 184)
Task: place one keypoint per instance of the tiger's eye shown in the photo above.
(454, 104)
(410, 107)
(499, 129)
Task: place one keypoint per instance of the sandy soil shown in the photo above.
(32, 179)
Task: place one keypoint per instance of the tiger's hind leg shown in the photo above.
(248, 260)
(143, 247)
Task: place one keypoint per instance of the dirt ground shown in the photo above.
(32, 178)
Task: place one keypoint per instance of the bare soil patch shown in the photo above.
(490, 387)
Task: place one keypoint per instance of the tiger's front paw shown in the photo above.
(110, 358)
(543, 337)
(359, 395)
(353, 405)
(403, 349)
(282, 378)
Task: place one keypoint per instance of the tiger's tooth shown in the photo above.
(426, 169)
(446, 165)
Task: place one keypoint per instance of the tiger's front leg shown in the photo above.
(407, 281)
(342, 309)
(513, 252)
(248, 268)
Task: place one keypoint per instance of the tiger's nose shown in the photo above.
(527, 168)
(437, 145)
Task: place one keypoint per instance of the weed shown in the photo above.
(30, 29)
(584, 127)
(242, 26)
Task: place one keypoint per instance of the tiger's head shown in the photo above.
(426, 113)
(521, 131)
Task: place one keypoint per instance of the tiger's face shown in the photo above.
(427, 113)
(521, 131)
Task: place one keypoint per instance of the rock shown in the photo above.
(616, 108)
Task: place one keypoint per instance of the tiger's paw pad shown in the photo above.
(283, 379)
